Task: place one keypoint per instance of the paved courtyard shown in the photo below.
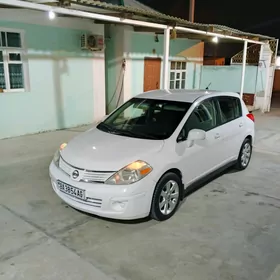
(228, 229)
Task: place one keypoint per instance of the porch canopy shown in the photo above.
(145, 19)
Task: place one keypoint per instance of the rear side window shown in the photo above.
(230, 108)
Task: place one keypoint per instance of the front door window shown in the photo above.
(204, 117)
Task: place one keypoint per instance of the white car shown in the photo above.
(143, 157)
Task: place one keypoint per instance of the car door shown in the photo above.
(232, 123)
(204, 155)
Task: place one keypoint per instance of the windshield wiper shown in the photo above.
(107, 128)
(117, 131)
(137, 134)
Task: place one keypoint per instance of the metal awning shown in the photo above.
(157, 17)
(184, 28)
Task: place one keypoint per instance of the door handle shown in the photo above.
(217, 136)
(157, 85)
(241, 124)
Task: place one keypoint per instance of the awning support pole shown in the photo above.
(243, 68)
(166, 58)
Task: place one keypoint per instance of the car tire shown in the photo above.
(167, 196)
(244, 155)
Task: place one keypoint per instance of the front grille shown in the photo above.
(85, 175)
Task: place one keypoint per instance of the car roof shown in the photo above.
(183, 95)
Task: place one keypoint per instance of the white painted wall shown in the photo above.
(99, 100)
(263, 99)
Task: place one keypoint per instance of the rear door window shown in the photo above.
(230, 108)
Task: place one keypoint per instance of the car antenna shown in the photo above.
(208, 86)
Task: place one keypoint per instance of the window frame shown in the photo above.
(6, 51)
(221, 122)
(218, 118)
(178, 71)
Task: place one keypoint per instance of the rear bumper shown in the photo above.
(116, 202)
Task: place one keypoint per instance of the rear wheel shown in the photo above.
(244, 155)
(166, 197)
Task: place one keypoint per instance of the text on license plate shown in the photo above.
(70, 190)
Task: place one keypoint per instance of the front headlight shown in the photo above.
(56, 156)
(130, 174)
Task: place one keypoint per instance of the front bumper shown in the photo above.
(110, 201)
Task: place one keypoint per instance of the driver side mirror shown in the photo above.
(196, 134)
(193, 135)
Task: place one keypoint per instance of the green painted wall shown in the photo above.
(228, 78)
(143, 43)
(61, 83)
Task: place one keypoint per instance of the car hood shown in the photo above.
(101, 151)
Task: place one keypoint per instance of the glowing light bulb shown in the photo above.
(215, 39)
(51, 15)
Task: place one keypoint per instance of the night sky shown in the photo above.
(262, 17)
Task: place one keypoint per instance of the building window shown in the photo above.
(11, 62)
(178, 71)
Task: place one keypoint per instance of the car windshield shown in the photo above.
(146, 118)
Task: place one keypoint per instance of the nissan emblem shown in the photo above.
(75, 174)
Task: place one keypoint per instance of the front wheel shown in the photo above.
(166, 197)
(244, 155)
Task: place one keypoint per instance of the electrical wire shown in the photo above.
(121, 76)
(115, 89)
(120, 93)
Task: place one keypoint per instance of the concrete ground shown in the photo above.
(228, 229)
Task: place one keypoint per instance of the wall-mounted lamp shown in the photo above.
(173, 34)
(51, 15)
(156, 38)
(215, 39)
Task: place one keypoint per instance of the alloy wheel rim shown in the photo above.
(246, 154)
(169, 197)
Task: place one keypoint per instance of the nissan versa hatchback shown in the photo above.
(145, 155)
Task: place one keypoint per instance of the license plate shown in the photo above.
(70, 190)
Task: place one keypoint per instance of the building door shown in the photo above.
(152, 73)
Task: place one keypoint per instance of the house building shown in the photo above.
(51, 77)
